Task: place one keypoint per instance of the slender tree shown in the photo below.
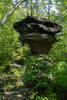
(31, 8)
(14, 7)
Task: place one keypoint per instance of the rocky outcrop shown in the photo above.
(39, 33)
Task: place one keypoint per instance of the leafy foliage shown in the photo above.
(45, 76)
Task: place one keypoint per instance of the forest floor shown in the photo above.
(12, 86)
(19, 92)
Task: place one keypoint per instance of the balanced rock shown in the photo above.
(39, 33)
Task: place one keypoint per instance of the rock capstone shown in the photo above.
(39, 33)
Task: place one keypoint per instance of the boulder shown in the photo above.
(39, 33)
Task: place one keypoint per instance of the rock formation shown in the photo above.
(39, 33)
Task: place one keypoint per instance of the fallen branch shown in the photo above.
(11, 11)
(16, 65)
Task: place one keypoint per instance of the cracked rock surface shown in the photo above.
(39, 33)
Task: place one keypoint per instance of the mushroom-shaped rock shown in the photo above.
(39, 33)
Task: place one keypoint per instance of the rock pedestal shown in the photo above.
(39, 33)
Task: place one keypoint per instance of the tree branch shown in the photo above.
(11, 11)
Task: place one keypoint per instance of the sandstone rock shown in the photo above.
(39, 33)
